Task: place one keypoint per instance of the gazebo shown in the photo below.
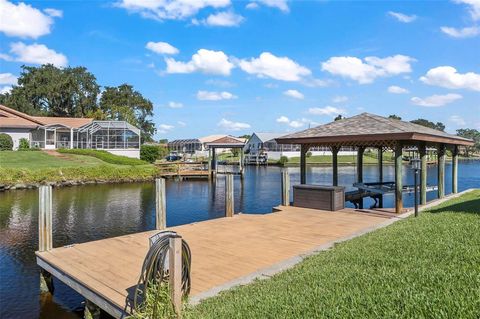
(372, 131)
(224, 142)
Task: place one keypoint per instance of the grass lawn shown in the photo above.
(425, 267)
(39, 160)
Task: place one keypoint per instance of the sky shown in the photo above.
(237, 67)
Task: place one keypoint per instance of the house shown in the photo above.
(266, 144)
(199, 146)
(116, 137)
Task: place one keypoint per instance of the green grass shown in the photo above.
(39, 160)
(425, 267)
(104, 156)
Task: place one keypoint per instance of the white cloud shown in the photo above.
(474, 7)
(181, 123)
(397, 90)
(252, 5)
(161, 48)
(458, 120)
(8, 78)
(232, 126)
(283, 119)
(436, 100)
(278, 68)
(34, 54)
(294, 123)
(5, 89)
(368, 70)
(340, 99)
(23, 20)
(327, 110)
(205, 61)
(403, 17)
(221, 19)
(170, 9)
(164, 128)
(54, 13)
(448, 77)
(220, 83)
(175, 105)
(467, 32)
(294, 94)
(279, 4)
(215, 96)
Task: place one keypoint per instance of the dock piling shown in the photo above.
(175, 273)
(161, 204)
(285, 188)
(229, 206)
(45, 233)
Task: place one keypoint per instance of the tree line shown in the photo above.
(74, 92)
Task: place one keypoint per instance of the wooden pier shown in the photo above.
(225, 252)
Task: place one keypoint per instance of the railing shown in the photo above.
(108, 145)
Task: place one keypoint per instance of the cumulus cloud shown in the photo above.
(397, 90)
(294, 123)
(164, 128)
(278, 4)
(205, 61)
(5, 89)
(458, 120)
(403, 17)
(278, 68)
(369, 69)
(215, 96)
(161, 48)
(473, 7)
(170, 9)
(8, 78)
(55, 13)
(327, 110)
(232, 126)
(448, 77)
(175, 105)
(23, 20)
(283, 119)
(34, 54)
(467, 32)
(436, 100)
(221, 19)
(252, 5)
(340, 99)
(294, 94)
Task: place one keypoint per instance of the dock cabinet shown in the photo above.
(319, 197)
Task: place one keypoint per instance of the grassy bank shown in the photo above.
(35, 167)
(425, 267)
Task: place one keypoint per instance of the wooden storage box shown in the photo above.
(319, 197)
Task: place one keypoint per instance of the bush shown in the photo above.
(150, 153)
(309, 154)
(283, 160)
(6, 142)
(104, 156)
(24, 144)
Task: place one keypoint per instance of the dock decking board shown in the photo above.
(223, 250)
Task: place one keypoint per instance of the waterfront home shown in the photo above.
(50, 133)
(199, 146)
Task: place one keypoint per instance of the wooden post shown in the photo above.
(241, 162)
(229, 198)
(455, 170)
(335, 150)
(214, 162)
(303, 163)
(175, 273)
(360, 152)
(380, 174)
(398, 179)
(161, 204)
(423, 173)
(441, 171)
(285, 187)
(45, 218)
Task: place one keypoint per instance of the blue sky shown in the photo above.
(222, 66)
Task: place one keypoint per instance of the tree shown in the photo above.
(51, 91)
(471, 134)
(123, 103)
(394, 117)
(436, 126)
(338, 117)
(245, 136)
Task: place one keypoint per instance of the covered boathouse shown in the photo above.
(373, 131)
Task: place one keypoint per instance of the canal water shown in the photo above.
(85, 213)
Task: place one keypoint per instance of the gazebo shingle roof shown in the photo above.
(368, 127)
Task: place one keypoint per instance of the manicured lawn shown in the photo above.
(39, 160)
(425, 267)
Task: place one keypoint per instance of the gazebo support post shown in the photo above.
(241, 163)
(303, 163)
(441, 171)
(360, 152)
(398, 179)
(455, 170)
(380, 174)
(335, 150)
(422, 149)
(214, 162)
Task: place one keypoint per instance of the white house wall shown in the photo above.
(16, 134)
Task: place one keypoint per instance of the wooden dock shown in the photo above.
(225, 252)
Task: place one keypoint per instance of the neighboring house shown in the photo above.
(265, 143)
(116, 137)
(199, 146)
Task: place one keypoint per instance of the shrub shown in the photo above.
(104, 156)
(150, 153)
(24, 144)
(283, 160)
(309, 154)
(6, 142)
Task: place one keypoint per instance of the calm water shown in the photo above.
(86, 213)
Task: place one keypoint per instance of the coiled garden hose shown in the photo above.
(155, 266)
